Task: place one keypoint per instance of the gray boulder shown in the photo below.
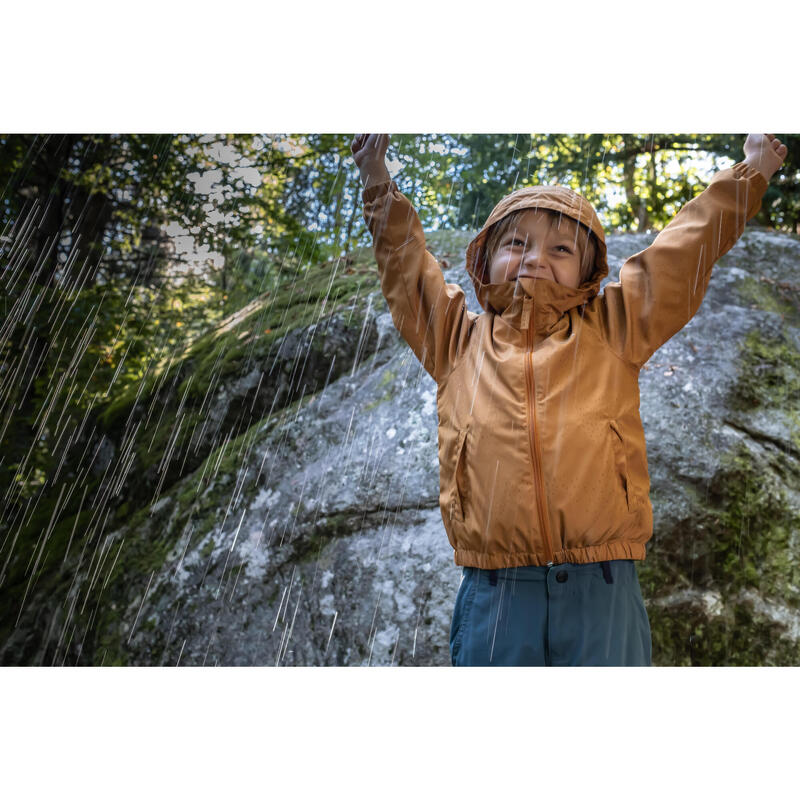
(314, 537)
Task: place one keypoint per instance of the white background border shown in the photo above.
(411, 67)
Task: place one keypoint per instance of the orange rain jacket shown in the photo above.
(541, 447)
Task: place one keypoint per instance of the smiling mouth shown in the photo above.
(536, 274)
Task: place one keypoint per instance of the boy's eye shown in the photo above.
(517, 242)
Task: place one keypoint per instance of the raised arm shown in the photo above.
(660, 289)
(430, 315)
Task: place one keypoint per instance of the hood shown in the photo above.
(497, 297)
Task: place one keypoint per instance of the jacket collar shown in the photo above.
(543, 301)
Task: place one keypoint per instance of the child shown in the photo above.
(544, 488)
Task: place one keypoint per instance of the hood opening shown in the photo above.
(551, 198)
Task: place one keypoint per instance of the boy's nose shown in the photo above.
(532, 255)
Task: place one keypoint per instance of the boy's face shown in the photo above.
(538, 246)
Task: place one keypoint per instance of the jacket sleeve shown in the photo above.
(660, 289)
(430, 315)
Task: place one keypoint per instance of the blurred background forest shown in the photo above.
(118, 251)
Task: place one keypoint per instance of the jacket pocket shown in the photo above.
(459, 491)
(621, 462)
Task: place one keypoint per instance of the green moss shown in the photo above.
(740, 539)
(296, 299)
(684, 636)
(110, 648)
(152, 445)
(766, 295)
(753, 527)
(144, 554)
(250, 336)
(387, 377)
(769, 374)
(116, 412)
(32, 550)
(134, 559)
(308, 548)
(208, 549)
(385, 383)
(378, 401)
(252, 333)
(203, 496)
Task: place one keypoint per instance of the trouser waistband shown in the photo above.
(540, 573)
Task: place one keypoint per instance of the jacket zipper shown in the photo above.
(536, 455)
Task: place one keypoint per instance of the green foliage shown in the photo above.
(636, 182)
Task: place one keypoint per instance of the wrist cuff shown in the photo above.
(377, 190)
(744, 171)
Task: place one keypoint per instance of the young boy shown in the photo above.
(544, 488)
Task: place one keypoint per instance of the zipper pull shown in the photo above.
(527, 305)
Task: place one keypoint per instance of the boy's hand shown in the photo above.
(369, 153)
(765, 153)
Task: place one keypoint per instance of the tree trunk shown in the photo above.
(337, 214)
(353, 212)
(628, 172)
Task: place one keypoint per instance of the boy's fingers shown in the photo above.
(359, 140)
(378, 142)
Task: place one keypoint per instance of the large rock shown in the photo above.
(314, 537)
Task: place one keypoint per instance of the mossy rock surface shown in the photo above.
(309, 532)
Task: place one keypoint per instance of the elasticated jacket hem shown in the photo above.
(607, 551)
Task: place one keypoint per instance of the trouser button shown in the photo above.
(561, 576)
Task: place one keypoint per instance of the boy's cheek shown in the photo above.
(499, 271)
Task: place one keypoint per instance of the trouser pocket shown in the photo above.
(499, 618)
(644, 625)
(596, 622)
(464, 600)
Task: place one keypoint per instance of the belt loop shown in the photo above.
(492, 577)
(606, 567)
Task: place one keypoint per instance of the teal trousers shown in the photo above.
(565, 615)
